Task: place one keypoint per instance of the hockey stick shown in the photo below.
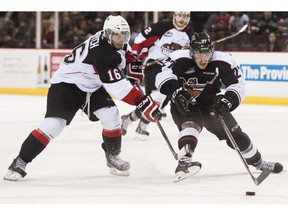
(214, 42)
(175, 155)
(264, 174)
(154, 62)
(231, 36)
(166, 139)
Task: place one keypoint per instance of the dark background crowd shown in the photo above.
(267, 31)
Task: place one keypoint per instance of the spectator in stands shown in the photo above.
(237, 21)
(285, 46)
(64, 27)
(283, 26)
(210, 19)
(220, 24)
(272, 44)
(7, 41)
(199, 20)
(48, 34)
(266, 24)
(98, 24)
(23, 35)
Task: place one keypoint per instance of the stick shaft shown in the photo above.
(263, 175)
(161, 129)
(231, 36)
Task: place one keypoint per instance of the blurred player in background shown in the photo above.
(153, 46)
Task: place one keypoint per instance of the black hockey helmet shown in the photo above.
(201, 42)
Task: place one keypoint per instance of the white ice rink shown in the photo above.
(72, 169)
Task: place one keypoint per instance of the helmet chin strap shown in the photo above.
(110, 39)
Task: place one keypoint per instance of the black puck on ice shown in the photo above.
(250, 193)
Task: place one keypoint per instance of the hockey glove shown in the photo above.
(149, 108)
(134, 72)
(221, 106)
(182, 100)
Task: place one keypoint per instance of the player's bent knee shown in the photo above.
(109, 117)
(191, 124)
(52, 126)
(242, 140)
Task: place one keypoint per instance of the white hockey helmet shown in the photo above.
(116, 25)
(181, 26)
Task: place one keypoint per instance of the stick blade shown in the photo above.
(262, 177)
(243, 28)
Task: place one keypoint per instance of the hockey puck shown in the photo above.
(250, 193)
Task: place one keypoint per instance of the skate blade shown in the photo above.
(180, 176)
(140, 137)
(12, 176)
(116, 172)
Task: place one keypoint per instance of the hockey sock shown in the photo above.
(33, 145)
(112, 141)
(188, 136)
(252, 156)
(135, 115)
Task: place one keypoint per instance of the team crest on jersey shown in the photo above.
(193, 87)
(192, 81)
(167, 48)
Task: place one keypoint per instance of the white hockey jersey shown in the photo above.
(161, 39)
(95, 63)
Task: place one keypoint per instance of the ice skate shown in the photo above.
(141, 134)
(186, 167)
(117, 166)
(141, 131)
(16, 170)
(273, 167)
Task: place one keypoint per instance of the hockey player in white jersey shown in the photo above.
(192, 82)
(83, 81)
(160, 39)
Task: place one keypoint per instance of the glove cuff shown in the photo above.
(233, 98)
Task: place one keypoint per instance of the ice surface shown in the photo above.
(72, 171)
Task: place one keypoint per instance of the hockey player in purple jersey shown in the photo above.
(192, 81)
(83, 81)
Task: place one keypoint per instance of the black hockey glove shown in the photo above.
(221, 106)
(182, 100)
(149, 108)
(134, 72)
